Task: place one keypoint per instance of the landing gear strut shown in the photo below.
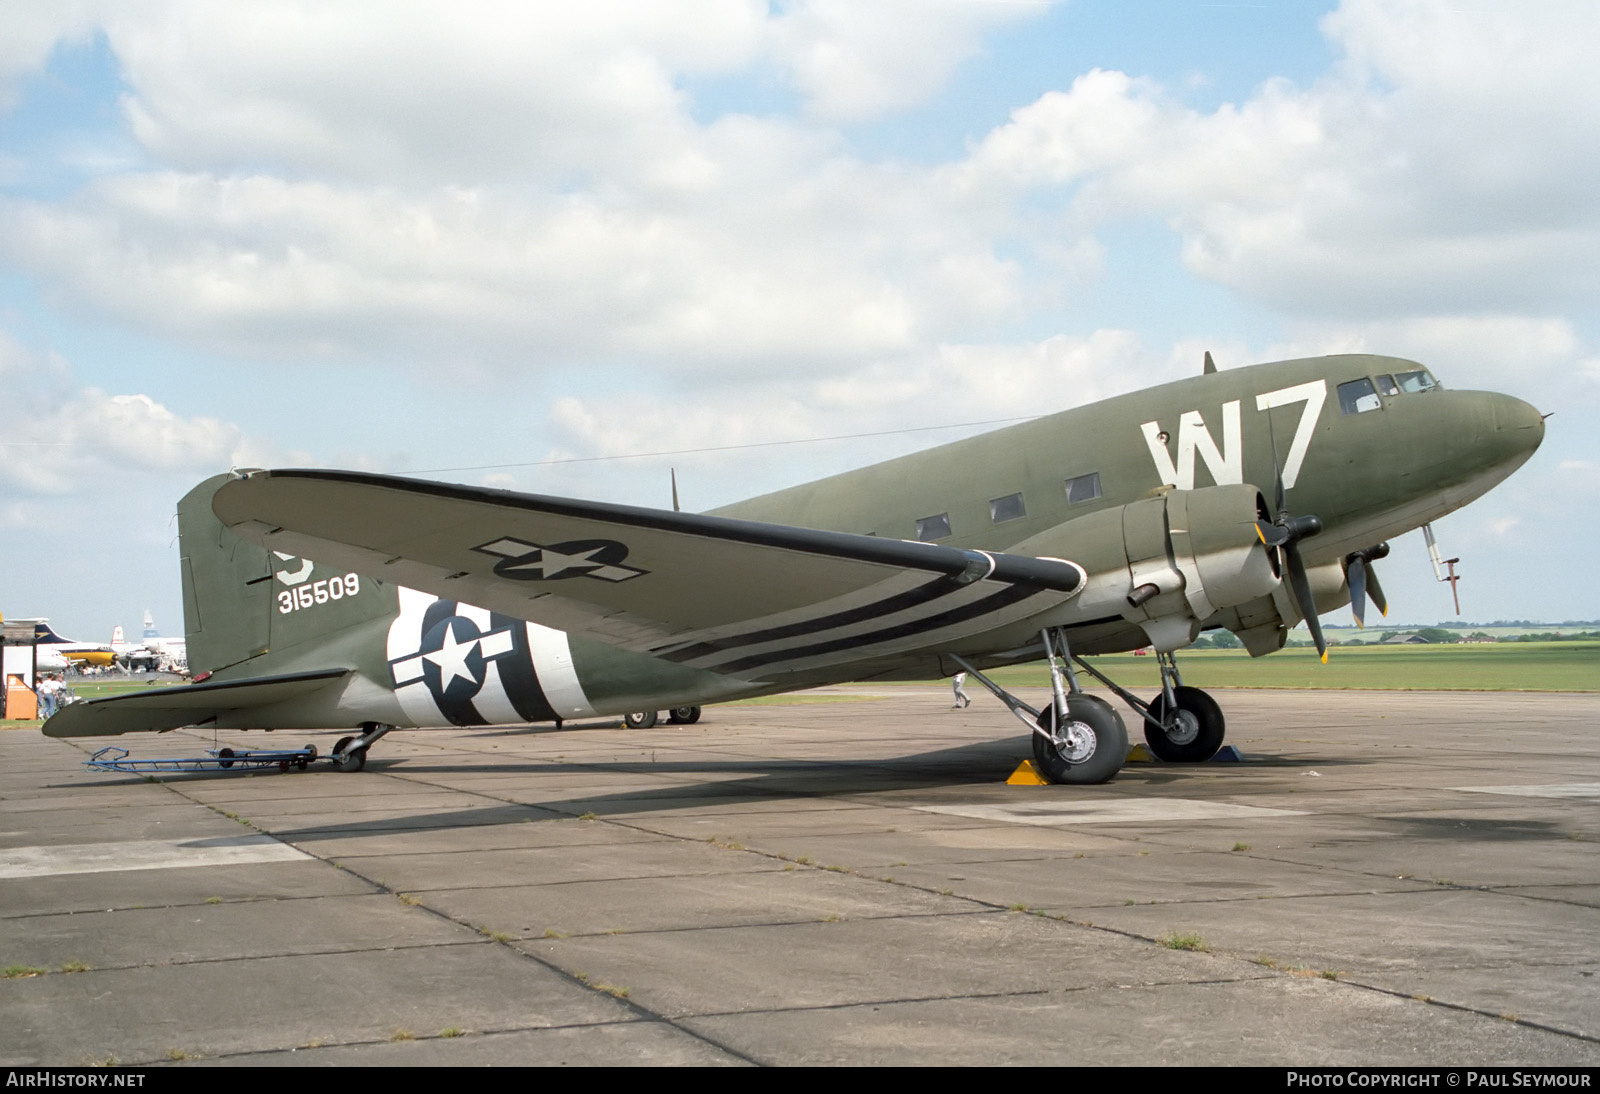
(1081, 738)
(1078, 739)
(350, 753)
(1183, 725)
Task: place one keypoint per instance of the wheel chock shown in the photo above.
(1139, 754)
(1228, 754)
(1027, 775)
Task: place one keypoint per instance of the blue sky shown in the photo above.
(498, 234)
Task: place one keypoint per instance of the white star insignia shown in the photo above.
(521, 563)
(451, 657)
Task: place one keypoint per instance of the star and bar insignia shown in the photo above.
(523, 561)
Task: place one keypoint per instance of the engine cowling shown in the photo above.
(1173, 562)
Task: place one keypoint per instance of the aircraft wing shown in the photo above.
(737, 596)
(161, 709)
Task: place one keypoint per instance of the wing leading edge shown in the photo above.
(738, 597)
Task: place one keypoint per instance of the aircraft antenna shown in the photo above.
(1209, 366)
(674, 471)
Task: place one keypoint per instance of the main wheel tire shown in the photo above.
(683, 716)
(639, 719)
(1097, 746)
(1198, 734)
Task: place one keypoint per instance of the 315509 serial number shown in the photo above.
(318, 592)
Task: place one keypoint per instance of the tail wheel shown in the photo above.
(683, 716)
(1197, 731)
(640, 719)
(346, 760)
(1092, 745)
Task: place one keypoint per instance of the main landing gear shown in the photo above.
(350, 753)
(678, 716)
(1081, 738)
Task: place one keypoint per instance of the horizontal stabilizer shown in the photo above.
(160, 709)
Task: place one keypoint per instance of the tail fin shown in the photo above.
(242, 602)
(44, 635)
(116, 635)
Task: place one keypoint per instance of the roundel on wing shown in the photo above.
(521, 560)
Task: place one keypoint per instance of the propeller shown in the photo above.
(1284, 534)
(1364, 581)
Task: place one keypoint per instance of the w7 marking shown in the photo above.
(1226, 463)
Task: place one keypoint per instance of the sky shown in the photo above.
(529, 245)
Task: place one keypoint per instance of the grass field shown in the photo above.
(1518, 666)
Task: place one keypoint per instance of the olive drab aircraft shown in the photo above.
(1248, 499)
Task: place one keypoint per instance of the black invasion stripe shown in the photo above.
(927, 557)
(978, 608)
(518, 674)
(932, 590)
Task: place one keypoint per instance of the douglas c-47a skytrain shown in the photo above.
(1248, 499)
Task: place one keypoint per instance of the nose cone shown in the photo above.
(1518, 425)
(1504, 430)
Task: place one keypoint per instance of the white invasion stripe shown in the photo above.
(1549, 790)
(405, 638)
(1127, 811)
(101, 858)
(552, 661)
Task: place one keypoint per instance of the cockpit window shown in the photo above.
(1416, 381)
(1386, 385)
(1358, 396)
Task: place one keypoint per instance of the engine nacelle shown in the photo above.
(1169, 563)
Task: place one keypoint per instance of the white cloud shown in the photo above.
(1455, 177)
(63, 439)
(32, 31)
(474, 90)
(853, 61)
(743, 438)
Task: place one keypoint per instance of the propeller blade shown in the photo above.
(1363, 580)
(1302, 595)
(1273, 535)
(1278, 493)
(1375, 591)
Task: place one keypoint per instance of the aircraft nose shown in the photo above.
(1519, 424)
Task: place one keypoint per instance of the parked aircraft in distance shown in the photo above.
(151, 651)
(1248, 499)
(51, 647)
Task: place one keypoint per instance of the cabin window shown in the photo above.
(1009, 507)
(1386, 385)
(1358, 396)
(932, 528)
(1416, 381)
(1083, 488)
